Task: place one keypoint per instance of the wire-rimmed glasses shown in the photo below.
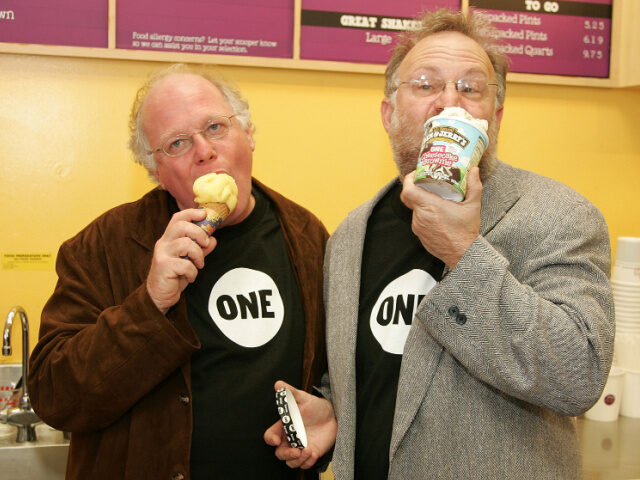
(214, 129)
(474, 88)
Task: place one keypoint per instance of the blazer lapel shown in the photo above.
(346, 329)
(419, 361)
(345, 268)
(500, 192)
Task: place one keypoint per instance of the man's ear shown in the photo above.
(499, 113)
(252, 143)
(386, 112)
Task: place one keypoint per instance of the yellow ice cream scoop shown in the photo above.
(217, 193)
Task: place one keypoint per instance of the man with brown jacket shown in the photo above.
(160, 345)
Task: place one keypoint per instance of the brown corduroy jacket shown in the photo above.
(114, 371)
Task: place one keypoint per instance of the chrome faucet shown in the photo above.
(20, 415)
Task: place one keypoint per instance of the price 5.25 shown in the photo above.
(594, 25)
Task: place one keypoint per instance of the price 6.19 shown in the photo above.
(535, 5)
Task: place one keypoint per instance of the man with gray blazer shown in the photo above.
(462, 338)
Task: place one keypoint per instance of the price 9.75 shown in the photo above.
(592, 54)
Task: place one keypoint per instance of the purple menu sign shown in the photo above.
(243, 27)
(358, 30)
(78, 23)
(570, 37)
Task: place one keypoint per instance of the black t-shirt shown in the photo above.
(397, 272)
(246, 309)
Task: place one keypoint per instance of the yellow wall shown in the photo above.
(63, 155)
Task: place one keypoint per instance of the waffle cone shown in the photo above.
(216, 213)
(216, 210)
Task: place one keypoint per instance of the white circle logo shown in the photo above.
(246, 306)
(393, 312)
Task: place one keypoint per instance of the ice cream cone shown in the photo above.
(216, 214)
(218, 195)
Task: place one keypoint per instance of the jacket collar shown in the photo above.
(500, 192)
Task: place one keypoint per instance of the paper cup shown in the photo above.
(630, 405)
(451, 146)
(629, 317)
(621, 329)
(631, 325)
(626, 300)
(626, 272)
(627, 350)
(624, 321)
(630, 321)
(632, 288)
(628, 250)
(621, 305)
(626, 297)
(607, 408)
(291, 418)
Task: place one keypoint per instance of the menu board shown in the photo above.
(358, 30)
(570, 37)
(79, 23)
(259, 28)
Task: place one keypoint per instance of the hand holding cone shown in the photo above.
(216, 214)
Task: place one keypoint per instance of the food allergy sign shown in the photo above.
(27, 261)
(358, 30)
(241, 27)
(78, 23)
(553, 37)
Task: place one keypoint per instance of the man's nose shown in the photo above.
(204, 148)
(448, 97)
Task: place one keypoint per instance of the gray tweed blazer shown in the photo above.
(495, 397)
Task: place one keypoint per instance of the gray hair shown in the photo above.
(138, 142)
(473, 25)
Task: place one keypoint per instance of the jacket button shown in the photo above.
(184, 399)
(177, 476)
(453, 311)
(461, 319)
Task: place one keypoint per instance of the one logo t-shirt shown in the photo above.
(397, 273)
(246, 309)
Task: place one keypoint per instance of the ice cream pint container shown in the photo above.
(452, 144)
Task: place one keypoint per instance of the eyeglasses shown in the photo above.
(472, 89)
(215, 129)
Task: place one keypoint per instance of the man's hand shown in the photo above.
(319, 423)
(445, 228)
(177, 256)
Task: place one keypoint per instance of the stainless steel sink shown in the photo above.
(43, 459)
